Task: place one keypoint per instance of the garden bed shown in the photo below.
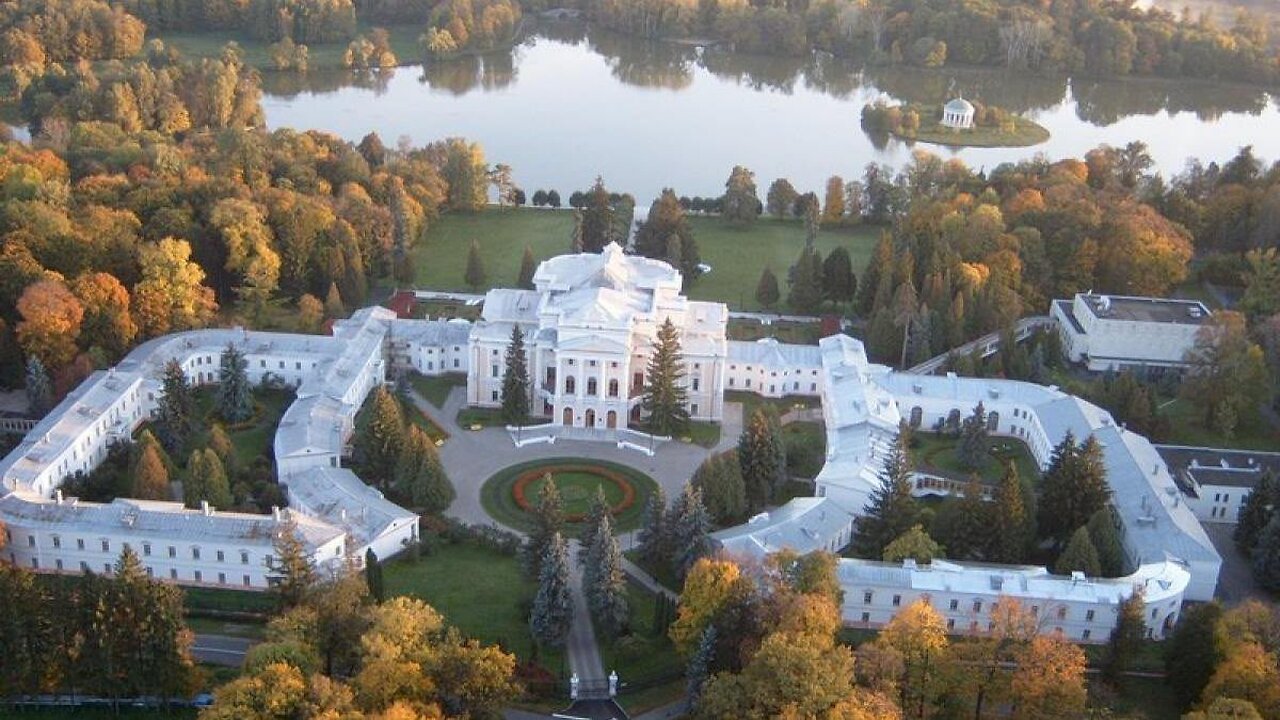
(513, 507)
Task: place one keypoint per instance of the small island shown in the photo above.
(959, 123)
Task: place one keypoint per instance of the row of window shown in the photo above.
(146, 549)
(107, 569)
(785, 373)
(773, 388)
(973, 627)
(954, 606)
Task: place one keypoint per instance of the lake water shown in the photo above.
(568, 104)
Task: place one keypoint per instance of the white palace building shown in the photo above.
(590, 325)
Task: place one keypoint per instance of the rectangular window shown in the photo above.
(31, 541)
(244, 558)
(695, 384)
(977, 606)
(1088, 616)
(84, 566)
(955, 605)
(79, 543)
(1062, 613)
(493, 371)
(220, 556)
(1085, 635)
(866, 617)
(173, 573)
(58, 564)
(247, 582)
(195, 553)
(106, 546)
(951, 624)
(897, 600)
(866, 598)
(173, 551)
(199, 576)
(222, 578)
(146, 549)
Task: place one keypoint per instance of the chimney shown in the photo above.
(205, 509)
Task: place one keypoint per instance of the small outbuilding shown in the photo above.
(958, 114)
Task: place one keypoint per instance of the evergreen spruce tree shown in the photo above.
(604, 583)
(1073, 489)
(419, 474)
(762, 458)
(1079, 556)
(373, 576)
(1266, 556)
(654, 540)
(972, 448)
(39, 387)
(720, 479)
(892, 511)
(838, 281)
(700, 664)
(1105, 539)
(598, 218)
(234, 398)
(1126, 638)
(1194, 651)
(150, 475)
(806, 292)
(690, 524)
(175, 409)
(1258, 510)
(665, 234)
(596, 513)
(475, 275)
(552, 613)
(515, 380)
(527, 267)
(1011, 528)
(333, 307)
(402, 266)
(548, 519)
(741, 205)
(665, 400)
(378, 443)
(767, 293)
(290, 565)
(970, 533)
(206, 481)
(914, 544)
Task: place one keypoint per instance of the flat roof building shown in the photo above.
(1114, 332)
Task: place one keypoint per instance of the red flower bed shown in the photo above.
(529, 476)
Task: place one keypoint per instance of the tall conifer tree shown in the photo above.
(515, 380)
(665, 399)
(891, 510)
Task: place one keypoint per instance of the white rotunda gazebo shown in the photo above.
(958, 114)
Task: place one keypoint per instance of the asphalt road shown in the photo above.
(220, 649)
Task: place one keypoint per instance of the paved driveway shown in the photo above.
(471, 457)
(1235, 580)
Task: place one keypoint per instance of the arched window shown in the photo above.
(917, 416)
(570, 385)
(993, 422)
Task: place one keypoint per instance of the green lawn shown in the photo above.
(255, 438)
(404, 42)
(736, 256)
(795, 333)
(751, 401)
(936, 454)
(499, 501)
(1025, 133)
(411, 414)
(448, 310)
(436, 389)
(441, 256)
(578, 490)
(199, 600)
(706, 434)
(232, 628)
(1138, 699)
(806, 444)
(479, 591)
(665, 576)
(1185, 428)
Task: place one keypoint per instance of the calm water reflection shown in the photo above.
(567, 104)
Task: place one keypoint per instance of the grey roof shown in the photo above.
(431, 333)
(771, 353)
(152, 519)
(1218, 466)
(1147, 309)
(343, 500)
(803, 524)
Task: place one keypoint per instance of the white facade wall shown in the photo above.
(774, 381)
(1113, 343)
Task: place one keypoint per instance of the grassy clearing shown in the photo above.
(404, 42)
(788, 332)
(1185, 428)
(200, 599)
(937, 454)
(481, 592)
(441, 257)
(751, 401)
(1139, 699)
(499, 501)
(436, 390)
(806, 444)
(578, 490)
(706, 434)
(448, 310)
(665, 576)
(252, 440)
(231, 628)
(1025, 133)
(736, 256)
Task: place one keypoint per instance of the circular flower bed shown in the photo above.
(510, 496)
(520, 489)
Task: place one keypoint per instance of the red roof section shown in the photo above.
(402, 304)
